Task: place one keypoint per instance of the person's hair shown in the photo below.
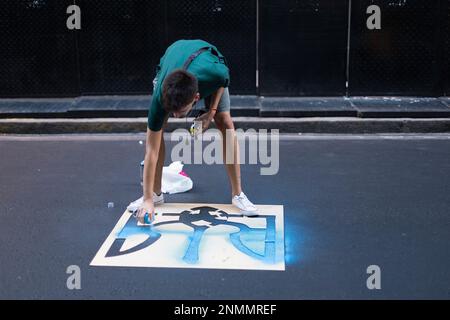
(179, 89)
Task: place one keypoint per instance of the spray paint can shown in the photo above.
(147, 219)
(196, 129)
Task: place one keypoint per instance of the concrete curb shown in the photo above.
(284, 125)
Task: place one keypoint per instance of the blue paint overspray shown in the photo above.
(294, 240)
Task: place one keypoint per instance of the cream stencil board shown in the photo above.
(198, 235)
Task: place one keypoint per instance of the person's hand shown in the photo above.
(146, 207)
(206, 119)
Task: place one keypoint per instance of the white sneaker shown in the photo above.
(134, 206)
(245, 206)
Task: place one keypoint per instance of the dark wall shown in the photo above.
(302, 48)
(445, 39)
(37, 52)
(120, 42)
(403, 57)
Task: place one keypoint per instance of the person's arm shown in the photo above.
(153, 144)
(207, 117)
(215, 98)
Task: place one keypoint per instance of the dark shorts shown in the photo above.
(224, 102)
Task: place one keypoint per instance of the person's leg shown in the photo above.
(230, 144)
(224, 122)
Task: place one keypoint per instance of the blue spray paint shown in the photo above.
(213, 217)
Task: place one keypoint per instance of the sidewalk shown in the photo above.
(118, 114)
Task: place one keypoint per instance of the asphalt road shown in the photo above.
(348, 202)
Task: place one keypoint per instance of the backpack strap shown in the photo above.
(199, 51)
(193, 56)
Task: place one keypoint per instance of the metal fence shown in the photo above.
(274, 47)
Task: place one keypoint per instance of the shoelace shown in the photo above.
(244, 200)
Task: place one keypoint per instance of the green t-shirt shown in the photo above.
(210, 71)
